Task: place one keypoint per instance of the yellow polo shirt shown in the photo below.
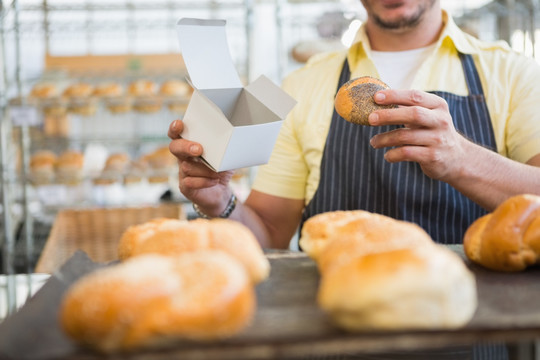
(511, 84)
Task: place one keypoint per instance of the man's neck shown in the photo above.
(425, 33)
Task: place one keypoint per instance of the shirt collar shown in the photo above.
(451, 36)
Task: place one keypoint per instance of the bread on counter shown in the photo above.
(171, 236)
(508, 239)
(415, 288)
(381, 273)
(150, 300)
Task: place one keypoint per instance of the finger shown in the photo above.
(175, 129)
(409, 98)
(407, 153)
(410, 116)
(403, 137)
(192, 168)
(183, 149)
(190, 184)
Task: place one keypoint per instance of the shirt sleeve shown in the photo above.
(523, 123)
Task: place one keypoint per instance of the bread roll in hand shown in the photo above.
(354, 100)
(508, 239)
(151, 300)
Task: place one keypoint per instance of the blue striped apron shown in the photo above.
(355, 176)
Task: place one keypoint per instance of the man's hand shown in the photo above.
(203, 186)
(428, 137)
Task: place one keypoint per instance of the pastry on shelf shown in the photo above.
(46, 95)
(117, 163)
(114, 97)
(42, 167)
(69, 167)
(146, 99)
(80, 99)
(176, 94)
(162, 165)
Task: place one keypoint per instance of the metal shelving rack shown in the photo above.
(47, 20)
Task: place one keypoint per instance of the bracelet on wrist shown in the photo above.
(224, 215)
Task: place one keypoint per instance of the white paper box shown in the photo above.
(236, 125)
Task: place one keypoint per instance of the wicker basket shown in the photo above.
(96, 232)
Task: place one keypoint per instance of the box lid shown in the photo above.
(204, 47)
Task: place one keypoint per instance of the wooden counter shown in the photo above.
(289, 324)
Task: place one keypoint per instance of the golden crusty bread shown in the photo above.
(117, 162)
(508, 239)
(42, 166)
(371, 229)
(69, 166)
(354, 99)
(80, 89)
(43, 91)
(172, 236)
(152, 299)
(108, 89)
(319, 229)
(370, 234)
(421, 288)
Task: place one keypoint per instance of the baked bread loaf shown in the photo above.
(150, 300)
(161, 163)
(108, 90)
(177, 94)
(80, 98)
(172, 236)
(370, 234)
(145, 93)
(354, 99)
(78, 90)
(374, 231)
(318, 230)
(420, 288)
(43, 91)
(42, 167)
(69, 167)
(176, 88)
(117, 163)
(508, 239)
(142, 87)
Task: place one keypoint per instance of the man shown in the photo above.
(441, 159)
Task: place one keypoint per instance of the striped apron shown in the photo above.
(355, 176)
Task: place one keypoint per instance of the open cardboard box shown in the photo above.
(236, 125)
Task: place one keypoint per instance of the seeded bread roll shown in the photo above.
(354, 100)
(150, 300)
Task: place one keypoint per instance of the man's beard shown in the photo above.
(404, 23)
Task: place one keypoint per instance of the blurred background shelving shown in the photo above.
(64, 42)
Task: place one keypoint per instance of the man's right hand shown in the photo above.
(199, 184)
